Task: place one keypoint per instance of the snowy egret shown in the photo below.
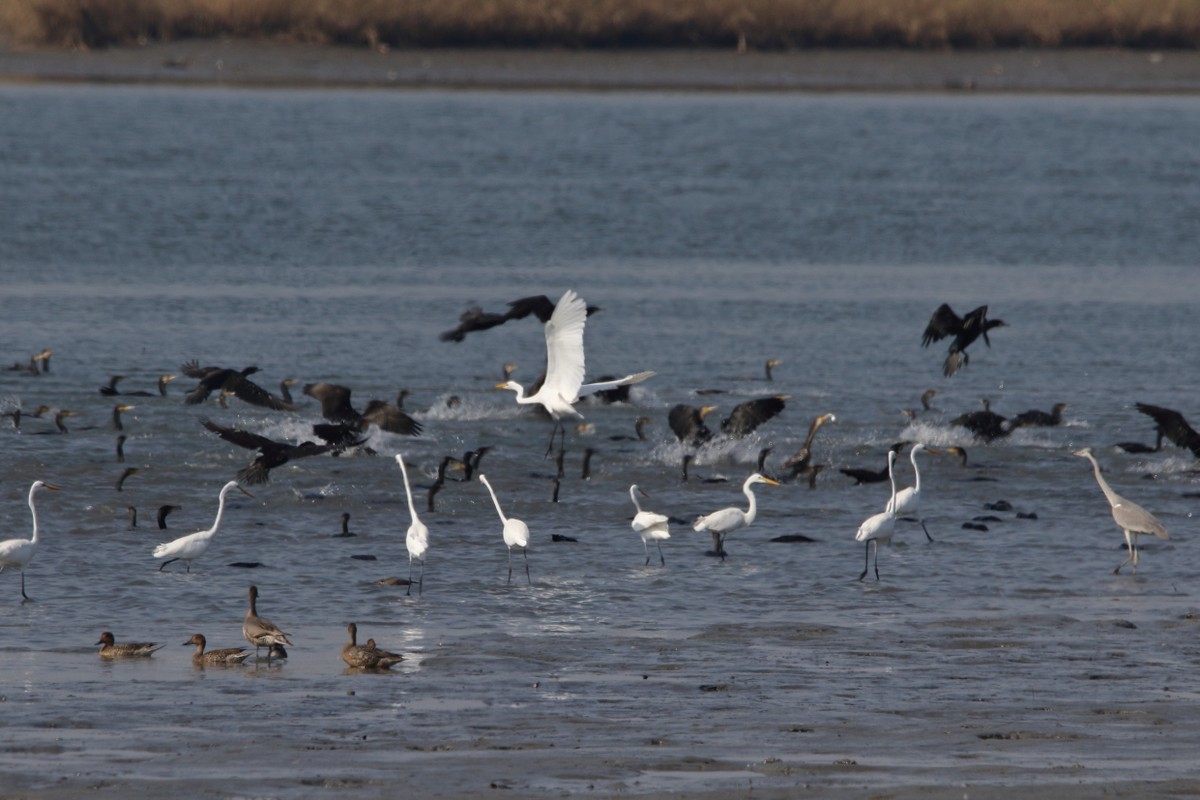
(221, 657)
(516, 532)
(649, 525)
(564, 386)
(417, 539)
(908, 499)
(110, 649)
(261, 632)
(192, 546)
(720, 523)
(1132, 518)
(19, 552)
(879, 527)
(367, 656)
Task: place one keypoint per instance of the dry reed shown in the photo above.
(759, 24)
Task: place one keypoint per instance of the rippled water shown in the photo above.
(331, 236)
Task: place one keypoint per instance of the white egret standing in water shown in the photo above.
(192, 546)
(720, 523)
(908, 499)
(19, 552)
(881, 526)
(417, 539)
(516, 532)
(649, 525)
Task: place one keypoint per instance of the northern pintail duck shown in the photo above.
(221, 657)
(367, 656)
(111, 649)
(259, 631)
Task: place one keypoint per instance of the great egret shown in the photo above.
(229, 382)
(367, 656)
(261, 632)
(19, 552)
(221, 657)
(1129, 516)
(965, 330)
(563, 385)
(986, 424)
(1172, 425)
(417, 538)
(649, 525)
(879, 527)
(110, 649)
(1039, 419)
(720, 523)
(908, 499)
(190, 547)
(516, 532)
(271, 454)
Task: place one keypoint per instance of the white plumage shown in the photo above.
(19, 552)
(879, 527)
(720, 523)
(190, 547)
(649, 525)
(417, 538)
(516, 532)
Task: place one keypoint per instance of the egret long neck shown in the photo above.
(916, 470)
(891, 507)
(220, 509)
(33, 511)
(496, 502)
(407, 491)
(752, 511)
(633, 497)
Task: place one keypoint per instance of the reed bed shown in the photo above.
(757, 24)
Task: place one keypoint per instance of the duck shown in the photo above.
(261, 632)
(110, 649)
(367, 656)
(221, 657)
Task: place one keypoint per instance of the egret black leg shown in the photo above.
(927, 536)
(876, 559)
(23, 595)
(646, 547)
(410, 565)
(866, 561)
(168, 561)
(420, 580)
(662, 561)
(525, 553)
(510, 565)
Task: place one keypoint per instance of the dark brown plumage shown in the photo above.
(800, 463)
(986, 424)
(335, 407)
(965, 330)
(1172, 425)
(271, 453)
(688, 423)
(229, 382)
(476, 319)
(1035, 418)
(747, 416)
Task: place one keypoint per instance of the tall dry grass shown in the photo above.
(761, 24)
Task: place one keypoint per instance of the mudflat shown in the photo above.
(251, 63)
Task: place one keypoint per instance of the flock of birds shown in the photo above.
(556, 393)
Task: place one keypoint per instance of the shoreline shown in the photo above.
(252, 64)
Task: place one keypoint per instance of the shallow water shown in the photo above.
(329, 236)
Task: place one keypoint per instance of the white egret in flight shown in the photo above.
(563, 386)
